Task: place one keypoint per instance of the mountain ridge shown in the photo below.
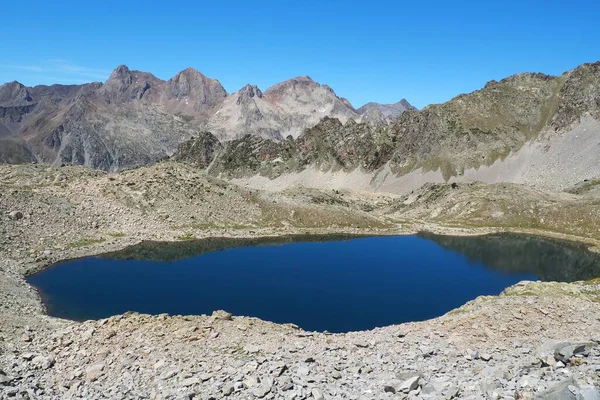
(135, 118)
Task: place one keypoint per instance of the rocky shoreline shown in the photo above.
(536, 340)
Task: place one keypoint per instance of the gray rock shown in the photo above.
(317, 394)
(15, 215)
(222, 315)
(43, 362)
(409, 384)
(5, 379)
(589, 393)
(227, 390)
(429, 389)
(250, 348)
(262, 390)
(205, 377)
(560, 391)
(94, 372)
(564, 352)
(189, 382)
(169, 374)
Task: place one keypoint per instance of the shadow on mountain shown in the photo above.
(548, 259)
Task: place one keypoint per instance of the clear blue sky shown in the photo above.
(425, 51)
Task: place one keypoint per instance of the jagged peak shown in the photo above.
(190, 72)
(13, 84)
(120, 70)
(251, 91)
(304, 78)
(14, 91)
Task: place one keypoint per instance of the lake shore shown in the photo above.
(138, 356)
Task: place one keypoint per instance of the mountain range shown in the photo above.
(529, 128)
(134, 118)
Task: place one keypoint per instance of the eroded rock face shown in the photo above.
(199, 151)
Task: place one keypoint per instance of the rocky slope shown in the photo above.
(529, 128)
(537, 339)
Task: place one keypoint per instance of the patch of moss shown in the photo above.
(186, 236)
(85, 242)
(117, 234)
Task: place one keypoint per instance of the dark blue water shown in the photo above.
(339, 285)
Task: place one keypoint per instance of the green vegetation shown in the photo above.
(117, 234)
(85, 243)
(186, 236)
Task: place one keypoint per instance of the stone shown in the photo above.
(261, 390)
(485, 357)
(589, 393)
(429, 389)
(169, 374)
(566, 351)
(336, 375)
(93, 372)
(317, 394)
(15, 215)
(205, 377)
(250, 348)
(389, 389)
(361, 343)
(189, 382)
(5, 379)
(43, 362)
(227, 390)
(560, 391)
(222, 315)
(409, 384)
(250, 382)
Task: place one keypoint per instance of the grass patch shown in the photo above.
(84, 243)
(187, 236)
(117, 234)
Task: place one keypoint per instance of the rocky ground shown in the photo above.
(537, 339)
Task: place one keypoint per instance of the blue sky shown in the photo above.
(425, 51)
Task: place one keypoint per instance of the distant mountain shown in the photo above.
(135, 118)
(388, 111)
(529, 128)
(286, 108)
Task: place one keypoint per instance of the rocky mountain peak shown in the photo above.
(124, 84)
(120, 71)
(248, 92)
(14, 93)
(193, 87)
